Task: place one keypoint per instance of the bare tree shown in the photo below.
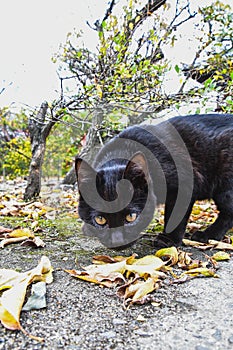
(39, 130)
(98, 68)
(126, 71)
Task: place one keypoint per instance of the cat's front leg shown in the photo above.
(173, 237)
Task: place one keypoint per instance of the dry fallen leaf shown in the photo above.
(82, 275)
(21, 232)
(141, 318)
(137, 278)
(5, 229)
(211, 244)
(195, 244)
(20, 235)
(107, 274)
(103, 259)
(221, 256)
(107, 271)
(147, 266)
(13, 286)
(139, 290)
(220, 245)
(184, 259)
(35, 242)
(201, 271)
(170, 253)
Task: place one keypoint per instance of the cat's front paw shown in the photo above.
(199, 236)
(164, 241)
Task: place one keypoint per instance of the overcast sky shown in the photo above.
(31, 32)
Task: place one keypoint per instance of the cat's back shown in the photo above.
(209, 124)
(206, 134)
(204, 131)
(197, 123)
(202, 127)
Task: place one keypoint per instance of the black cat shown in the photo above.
(175, 162)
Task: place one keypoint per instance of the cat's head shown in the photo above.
(116, 201)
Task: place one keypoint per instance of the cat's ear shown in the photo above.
(84, 171)
(137, 163)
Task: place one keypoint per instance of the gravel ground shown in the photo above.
(197, 315)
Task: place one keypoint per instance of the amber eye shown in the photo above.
(131, 217)
(100, 220)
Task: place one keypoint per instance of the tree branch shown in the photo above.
(98, 26)
(141, 15)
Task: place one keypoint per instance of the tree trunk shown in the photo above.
(70, 178)
(89, 150)
(39, 131)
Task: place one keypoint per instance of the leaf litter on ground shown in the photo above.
(49, 205)
(19, 235)
(134, 279)
(211, 244)
(137, 278)
(13, 287)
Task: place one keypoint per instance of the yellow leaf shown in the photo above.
(130, 4)
(11, 304)
(14, 286)
(146, 266)
(85, 277)
(131, 259)
(144, 288)
(156, 262)
(21, 232)
(98, 273)
(99, 91)
(137, 290)
(220, 256)
(171, 253)
(101, 271)
(7, 278)
(105, 259)
(131, 26)
(201, 271)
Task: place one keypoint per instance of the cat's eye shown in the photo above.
(100, 220)
(131, 217)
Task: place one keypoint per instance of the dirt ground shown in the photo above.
(196, 315)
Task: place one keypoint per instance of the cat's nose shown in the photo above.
(117, 239)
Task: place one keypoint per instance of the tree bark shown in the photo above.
(39, 131)
(89, 150)
(70, 178)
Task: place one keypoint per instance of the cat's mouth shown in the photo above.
(112, 238)
(117, 240)
(122, 247)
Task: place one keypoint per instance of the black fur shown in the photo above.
(175, 162)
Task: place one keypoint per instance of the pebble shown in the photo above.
(108, 335)
(230, 339)
(201, 347)
(217, 334)
(143, 333)
(118, 321)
